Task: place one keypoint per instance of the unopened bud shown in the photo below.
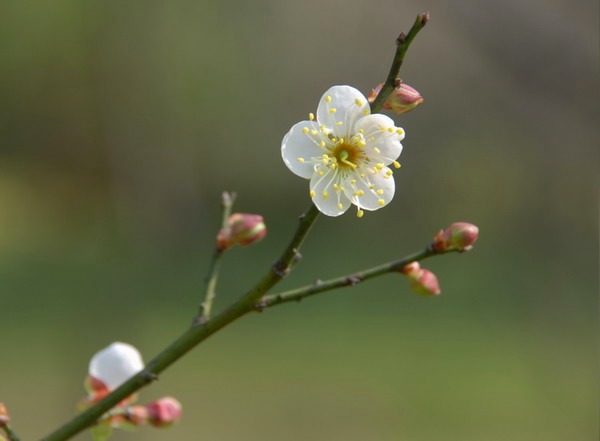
(241, 229)
(164, 412)
(459, 236)
(403, 98)
(422, 281)
(137, 415)
(425, 284)
(114, 365)
(4, 418)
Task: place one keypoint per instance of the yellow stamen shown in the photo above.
(313, 132)
(312, 194)
(340, 206)
(353, 181)
(305, 130)
(365, 112)
(360, 213)
(339, 123)
(322, 143)
(362, 175)
(361, 131)
(321, 173)
(336, 187)
(372, 186)
(379, 165)
(396, 164)
(327, 99)
(391, 129)
(380, 191)
(381, 202)
(361, 143)
(376, 150)
(311, 116)
(325, 194)
(389, 173)
(300, 160)
(332, 110)
(400, 132)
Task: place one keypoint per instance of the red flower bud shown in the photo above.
(460, 236)
(403, 98)
(241, 229)
(422, 281)
(4, 418)
(425, 284)
(164, 412)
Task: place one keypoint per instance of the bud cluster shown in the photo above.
(109, 369)
(422, 281)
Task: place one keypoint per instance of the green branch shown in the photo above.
(193, 336)
(320, 286)
(227, 200)
(403, 42)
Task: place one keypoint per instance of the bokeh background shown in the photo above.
(121, 124)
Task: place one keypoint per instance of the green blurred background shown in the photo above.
(121, 124)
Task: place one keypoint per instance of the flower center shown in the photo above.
(348, 156)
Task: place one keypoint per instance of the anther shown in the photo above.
(339, 123)
(340, 206)
(305, 130)
(353, 181)
(361, 143)
(311, 116)
(313, 132)
(372, 186)
(325, 194)
(300, 160)
(381, 202)
(396, 164)
(322, 143)
(389, 173)
(376, 150)
(361, 131)
(312, 194)
(328, 99)
(366, 111)
(391, 129)
(358, 102)
(380, 191)
(332, 110)
(400, 132)
(360, 213)
(379, 165)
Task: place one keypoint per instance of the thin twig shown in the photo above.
(295, 295)
(210, 293)
(403, 42)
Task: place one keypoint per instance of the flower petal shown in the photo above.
(115, 364)
(299, 146)
(382, 138)
(325, 193)
(339, 109)
(369, 189)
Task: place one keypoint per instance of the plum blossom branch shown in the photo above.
(227, 200)
(194, 335)
(403, 42)
(320, 286)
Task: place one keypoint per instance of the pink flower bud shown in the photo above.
(460, 236)
(412, 269)
(137, 415)
(241, 229)
(4, 418)
(164, 412)
(422, 281)
(403, 98)
(425, 284)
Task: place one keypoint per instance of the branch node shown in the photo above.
(148, 377)
(353, 279)
(401, 38)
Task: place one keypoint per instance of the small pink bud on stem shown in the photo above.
(422, 281)
(4, 418)
(403, 98)
(459, 236)
(164, 412)
(241, 229)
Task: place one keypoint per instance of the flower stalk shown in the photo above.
(403, 43)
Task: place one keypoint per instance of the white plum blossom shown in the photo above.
(115, 364)
(345, 153)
